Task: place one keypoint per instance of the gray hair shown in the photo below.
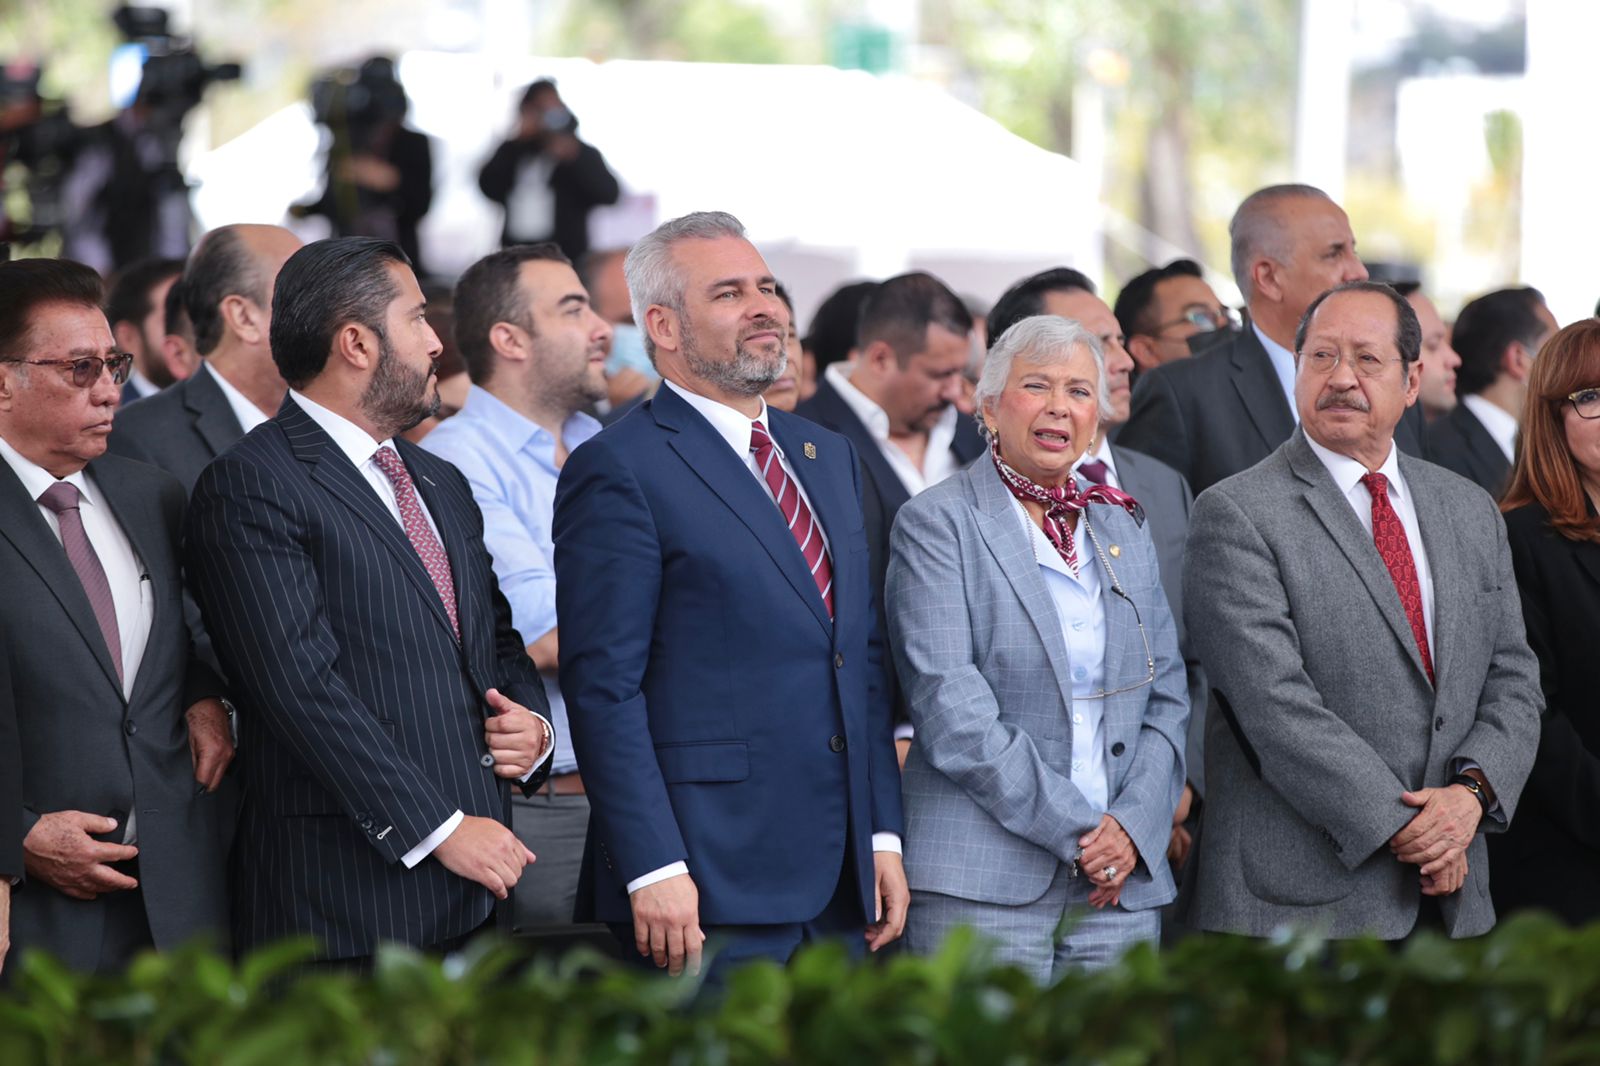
(1256, 231)
(1039, 340)
(652, 276)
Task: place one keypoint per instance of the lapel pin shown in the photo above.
(811, 450)
(1116, 551)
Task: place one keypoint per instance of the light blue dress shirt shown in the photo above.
(510, 463)
(1083, 626)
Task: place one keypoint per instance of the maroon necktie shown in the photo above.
(806, 532)
(1095, 471)
(423, 540)
(62, 498)
(1390, 537)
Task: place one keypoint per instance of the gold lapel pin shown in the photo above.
(1116, 551)
(811, 450)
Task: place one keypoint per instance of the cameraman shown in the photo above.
(380, 174)
(547, 180)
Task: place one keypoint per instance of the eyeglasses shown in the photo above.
(86, 371)
(1364, 363)
(1204, 319)
(1586, 402)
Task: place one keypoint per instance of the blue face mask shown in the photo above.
(627, 352)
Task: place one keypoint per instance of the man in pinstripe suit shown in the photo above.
(383, 694)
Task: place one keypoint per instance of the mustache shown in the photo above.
(762, 325)
(1351, 398)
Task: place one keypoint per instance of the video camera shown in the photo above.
(173, 77)
(355, 103)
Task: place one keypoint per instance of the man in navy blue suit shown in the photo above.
(383, 693)
(719, 652)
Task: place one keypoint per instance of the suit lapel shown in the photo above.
(707, 454)
(1451, 598)
(452, 531)
(836, 508)
(214, 419)
(30, 534)
(1339, 518)
(1256, 381)
(1008, 541)
(1121, 624)
(141, 525)
(1487, 458)
(891, 490)
(334, 471)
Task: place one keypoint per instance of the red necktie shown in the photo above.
(423, 540)
(1096, 471)
(801, 524)
(1390, 537)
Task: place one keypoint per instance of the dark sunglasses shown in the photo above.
(86, 371)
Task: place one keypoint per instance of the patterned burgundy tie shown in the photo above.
(1390, 537)
(1095, 471)
(62, 498)
(427, 545)
(801, 524)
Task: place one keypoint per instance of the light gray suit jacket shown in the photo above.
(1323, 714)
(991, 811)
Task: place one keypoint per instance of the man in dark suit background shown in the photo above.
(1211, 417)
(228, 288)
(384, 695)
(10, 808)
(1497, 336)
(115, 722)
(136, 309)
(719, 658)
(896, 403)
(1160, 490)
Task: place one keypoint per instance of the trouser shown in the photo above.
(553, 827)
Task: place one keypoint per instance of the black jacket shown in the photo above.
(1459, 442)
(580, 185)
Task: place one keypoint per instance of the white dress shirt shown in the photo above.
(1083, 627)
(734, 427)
(938, 462)
(1283, 362)
(249, 415)
(131, 591)
(141, 384)
(362, 450)
(1500, 424)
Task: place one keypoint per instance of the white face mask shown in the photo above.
(627, 351)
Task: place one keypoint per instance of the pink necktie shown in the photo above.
(62, 498)
(423, 540)
(795, 512)
(1390, 537)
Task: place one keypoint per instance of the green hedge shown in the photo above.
(1529, 993)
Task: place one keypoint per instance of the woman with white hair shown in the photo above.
(1041, 666)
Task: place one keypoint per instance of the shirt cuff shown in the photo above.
(550, 752)
(1460, 765)
(432, 840)
(671, 870)
(886, 842)
(905, 731)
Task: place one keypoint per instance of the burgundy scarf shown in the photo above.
(1060, 504)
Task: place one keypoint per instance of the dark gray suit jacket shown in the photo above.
(180, 429)
(1166, 500)
(1324, 712)
(82, 745)
(10, 780)
(1459, 442)
(1213, 415)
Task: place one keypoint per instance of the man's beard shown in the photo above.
(749, 374)
(155, 366)
(398, 397)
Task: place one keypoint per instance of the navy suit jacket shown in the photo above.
(719, 715)
(1459, 442)
(361, 715)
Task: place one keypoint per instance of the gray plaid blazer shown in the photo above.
(991, 811)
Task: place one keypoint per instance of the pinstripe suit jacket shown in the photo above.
(991, 811)
(361, 716)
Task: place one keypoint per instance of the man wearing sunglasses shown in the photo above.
(120, 736)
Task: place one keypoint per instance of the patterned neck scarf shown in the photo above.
(1060, 504)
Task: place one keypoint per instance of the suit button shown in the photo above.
(486, 760)
(836, 743)
(838, 661)
(1438, 723)
(1118, 748)
(130, 728)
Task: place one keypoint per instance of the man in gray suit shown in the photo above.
(1213, 416)
(227, 287)
(119, 735)
(1377, 706)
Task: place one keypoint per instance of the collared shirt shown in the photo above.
(938, 462)
(141, 384)
(1083, 627)
(249, 415)
(1500, 424)
(1102, 452)
(1283, 362)
(358, 445)
(510, 463)
(734, 427)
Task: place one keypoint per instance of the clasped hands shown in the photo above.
(1437, 837)
(1107, 858)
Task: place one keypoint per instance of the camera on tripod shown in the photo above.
(173, 77)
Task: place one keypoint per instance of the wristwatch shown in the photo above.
(1470, 783)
